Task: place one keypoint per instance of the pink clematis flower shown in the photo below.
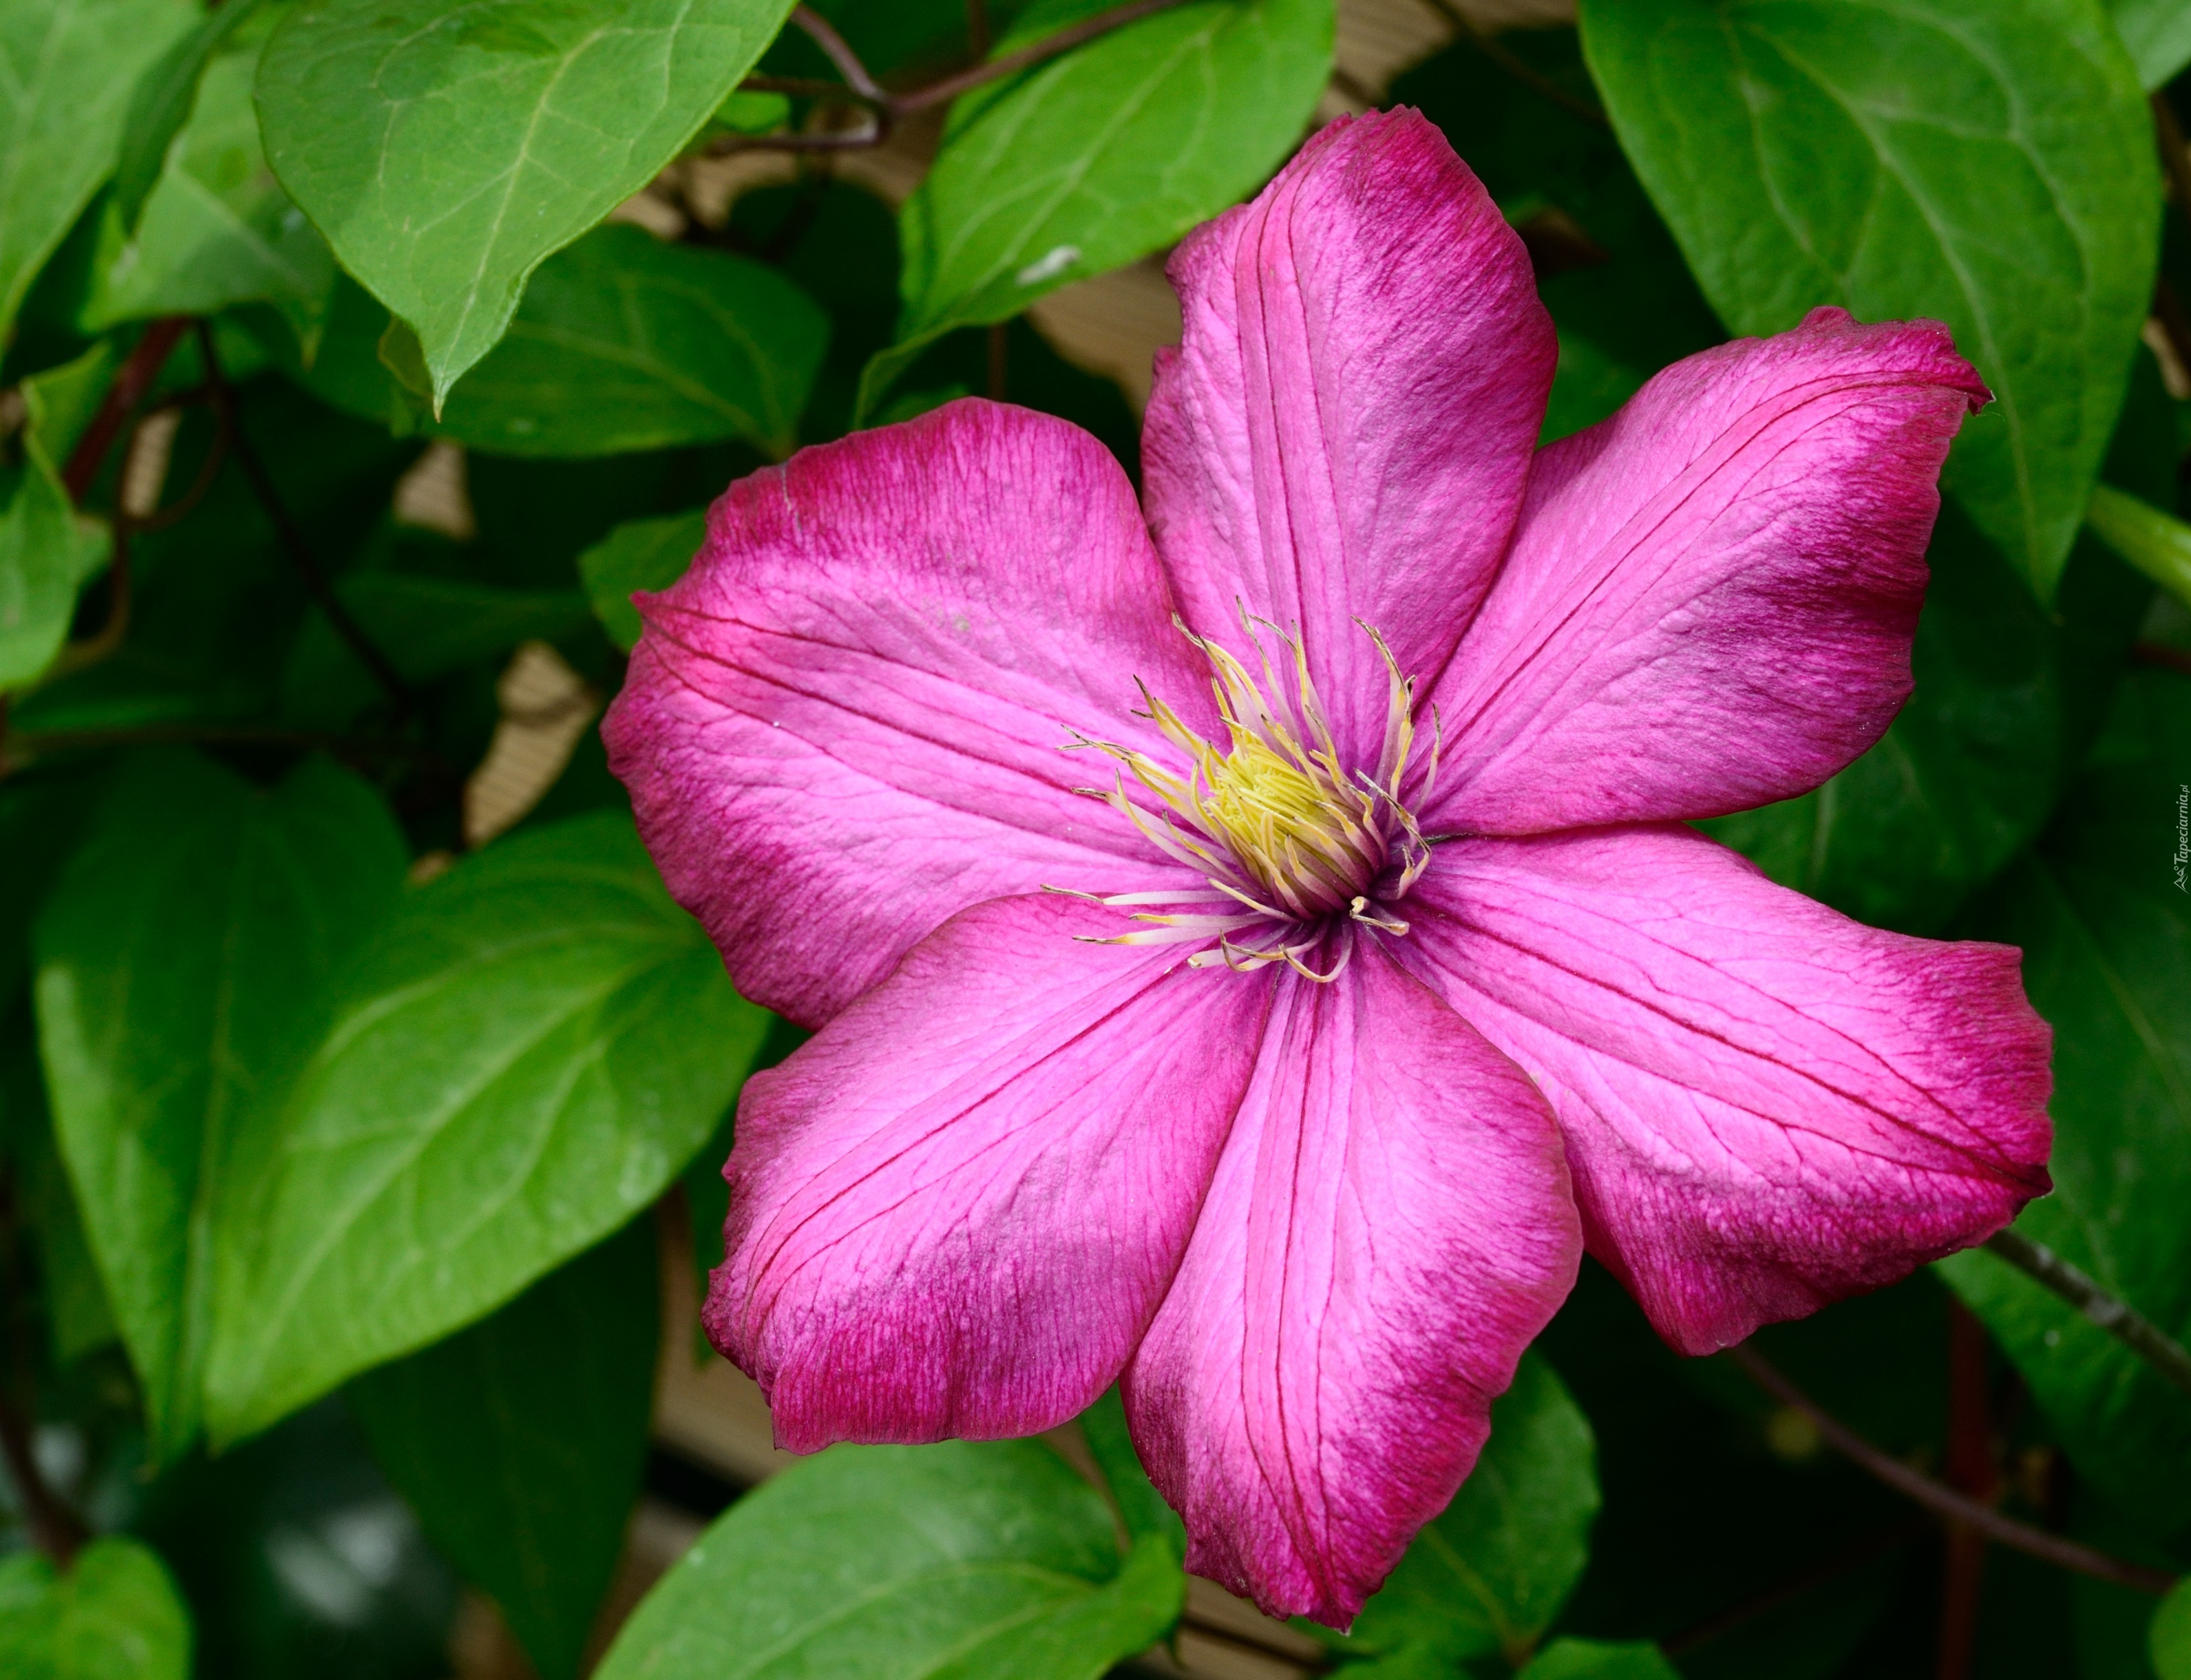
(1260, 947)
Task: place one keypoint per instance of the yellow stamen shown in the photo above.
(1272, 818)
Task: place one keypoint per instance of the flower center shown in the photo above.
(1300, 852)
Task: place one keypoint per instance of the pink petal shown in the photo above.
(1389, 1228)
(846, 722)
(1711, 596)
(1767, 1106)
(1345, 431)
(953, 1211)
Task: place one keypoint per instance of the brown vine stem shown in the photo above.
(839, 53)
(2161, 657)
(291, 535)
(2121, 1320)
(2168, 133)
(1942, 1500)
(2176, 164)
(131, 381)
(885, 107)
(1064, 41)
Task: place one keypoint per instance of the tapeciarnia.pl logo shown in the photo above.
(2183, 833)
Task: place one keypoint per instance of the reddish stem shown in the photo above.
(131, 381)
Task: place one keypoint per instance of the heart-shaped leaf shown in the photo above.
(445, 151)
(178, 960)
(1991, 167)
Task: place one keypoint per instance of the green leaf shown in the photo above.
(178, 960)
(41, 815)
(534, 1046)
(640, 553)
(2170, 1634)
(1491, 1572)
(2007, 696)
(1100, 156)
(1964, 777)
(76, 1306)
(217, 230)
(60, 401)
(47, 549)
(2100, 912)
(965, 1561)
(2159, 545)
(2158, 34)
(624, 342)
(1591, 1659)
(1991, 167)
(744, 113)
(706, 1195)
(115, 1615)
(445, 153)
(161, 104)
(428, 626)
(521, 1441)
(1141, 1508)
(66, 70)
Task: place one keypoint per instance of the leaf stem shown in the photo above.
(2121, 1320)
(2157, 543)
(1064, 41)
(839, 53)
(291, 536)
(1941, 1499)
(2160, 657)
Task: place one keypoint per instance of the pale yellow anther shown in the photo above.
(1273, 819)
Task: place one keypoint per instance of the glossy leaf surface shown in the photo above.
(967, 1559)
(446, 153)
(179, 960)
(1102, 155)
(216, 228)
(1988, 166)
(624, 342)
(2101, 917)
(532, 1046)
(1490, 1574)
(66, 70)
(2158, 34)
